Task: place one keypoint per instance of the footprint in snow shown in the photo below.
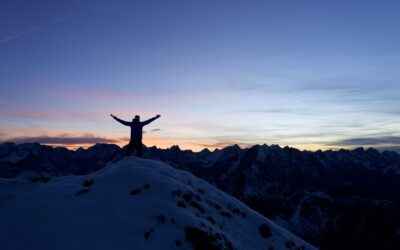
(136, 191)
(82, 191)
(88, 183)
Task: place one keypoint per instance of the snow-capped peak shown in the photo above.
(132, 204)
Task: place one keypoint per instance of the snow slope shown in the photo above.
(132, 204)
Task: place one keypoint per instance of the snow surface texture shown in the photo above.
(132, 204)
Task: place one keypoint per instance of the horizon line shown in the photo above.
(248, 146)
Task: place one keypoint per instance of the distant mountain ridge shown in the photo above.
(345, 199)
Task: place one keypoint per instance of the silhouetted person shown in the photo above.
(136, 133)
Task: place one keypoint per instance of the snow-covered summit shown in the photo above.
(132, 204)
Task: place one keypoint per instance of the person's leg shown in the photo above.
(129, 149)
(139, 148)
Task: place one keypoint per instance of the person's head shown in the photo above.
(137, 118)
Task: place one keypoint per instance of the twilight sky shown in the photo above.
(305, 73)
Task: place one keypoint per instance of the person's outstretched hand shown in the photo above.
(157, 116)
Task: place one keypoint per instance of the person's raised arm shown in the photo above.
(120, 121)
(150, 120)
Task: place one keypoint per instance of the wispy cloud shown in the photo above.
(390, 148)
(384, 140)
(155, 130)
(151, 130)
(271, 110)
(17, 35)
(247, 86)
(223, 144)
(390, 143)
(36, 114)
(62, 139)
(342, 86)
(32, 30)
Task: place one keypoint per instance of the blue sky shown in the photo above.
(309, 74)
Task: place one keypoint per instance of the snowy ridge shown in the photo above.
(357, 188)
(132, 204)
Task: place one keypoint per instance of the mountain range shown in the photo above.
(345, 199)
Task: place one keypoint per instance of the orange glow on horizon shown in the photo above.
(164, 143)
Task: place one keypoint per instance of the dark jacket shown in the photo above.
(136, 127)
